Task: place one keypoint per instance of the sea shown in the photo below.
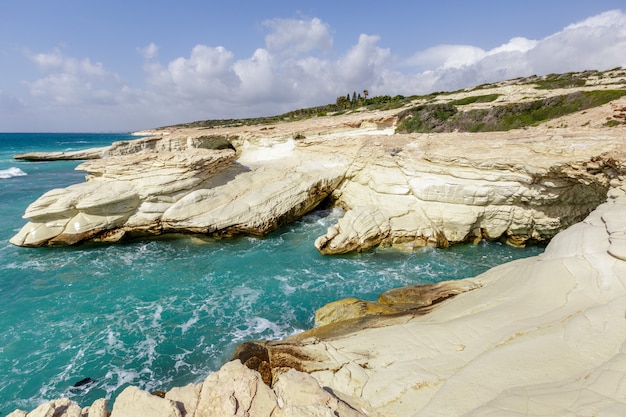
(166, 312)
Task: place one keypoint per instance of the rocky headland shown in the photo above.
(539, 336)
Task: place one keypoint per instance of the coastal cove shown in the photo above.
(371, 261)
(163, 313)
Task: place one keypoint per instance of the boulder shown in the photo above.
(97, 409)
(300, 395)
(235, 390)
(135, 402)
(186, 398)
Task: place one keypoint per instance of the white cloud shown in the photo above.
(208, 71)
(611, 19)
(518, 44)
(48, 60)
(364, 64)
(446, 56)
(291, 37)
(598, 42)
(150, 51)
(71, 81)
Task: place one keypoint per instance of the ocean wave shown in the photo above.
(11, 172)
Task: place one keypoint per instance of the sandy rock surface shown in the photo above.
(538, 336)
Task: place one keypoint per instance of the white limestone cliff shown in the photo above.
(190, 190)
(443, 189)
(402, 190)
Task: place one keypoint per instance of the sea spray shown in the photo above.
(11, 172)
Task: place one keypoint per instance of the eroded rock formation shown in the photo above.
(443, 189)
(189, 189)
(402, 190)
(538, 336)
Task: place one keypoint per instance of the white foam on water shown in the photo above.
(260, 328)
(119, 377)
(156, 317)
(287, 288)
(189, 323)
(11, 172)
(146, 350)
(113, 340)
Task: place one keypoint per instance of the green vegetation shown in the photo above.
(426, 118)
(447, 118)
(488, 98)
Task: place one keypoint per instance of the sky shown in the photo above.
(122, 66)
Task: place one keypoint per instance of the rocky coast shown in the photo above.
(539, 336)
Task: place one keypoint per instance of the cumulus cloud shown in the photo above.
(71, 81)
(365, 63)
(446, 56)
(297, 67)
(149, 52)
(291, 37)
(288, 72)
(598, 42)
(284, 73)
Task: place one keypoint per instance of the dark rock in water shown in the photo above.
(82, 384)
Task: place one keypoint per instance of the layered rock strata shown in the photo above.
(401, 190)
(148, 190)
(444, 189)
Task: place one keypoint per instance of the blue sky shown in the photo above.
(79, 65)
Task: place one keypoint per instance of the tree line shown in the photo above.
(358, 100)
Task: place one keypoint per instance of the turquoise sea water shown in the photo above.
(163, 313)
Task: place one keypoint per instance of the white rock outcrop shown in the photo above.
(444, 189)
(188, 190)
(542, 336)
(402, 190)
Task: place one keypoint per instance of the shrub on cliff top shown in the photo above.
(447, 118)
(426, 118)
(487, 98)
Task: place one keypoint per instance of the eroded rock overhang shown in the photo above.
(401, 190)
